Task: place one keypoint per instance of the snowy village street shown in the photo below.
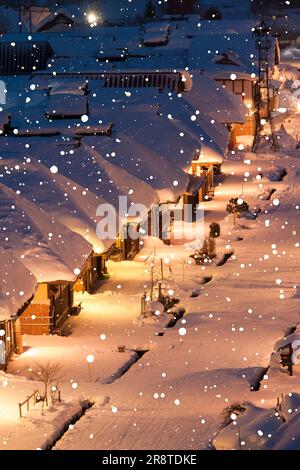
(231, 326)
(116, 118)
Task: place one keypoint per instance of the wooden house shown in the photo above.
(18, 56)
(10, 340)
(206, 166)
(48, 309)
(53, 301)
(195, 192)
(232, 61)
(16, 291)
(287, 30)
(126, 247)
(50, 265)
(37, 18)
(93, 271)
(57, 23)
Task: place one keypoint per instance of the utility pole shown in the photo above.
(30, 20)
(263, 113)
(20, 17)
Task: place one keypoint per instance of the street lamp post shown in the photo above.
(90, 359)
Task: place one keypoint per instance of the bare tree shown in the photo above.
(47, 373)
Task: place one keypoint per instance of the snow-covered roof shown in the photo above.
(67, 87)
(84, 165)
(211, 135)
(58, 196)
(17, 284)
(54, 18)
(214, 101)
(98, 129)
(225, 53)
(161, 114)
(286, 27)
(195, 183)
(66, 105)
(122, 11)
(47, 248)
(157, 27)
(33, 16)
(155, 38)
(208, 158)
(146, 164)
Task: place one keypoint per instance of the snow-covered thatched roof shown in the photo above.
(48, 249)
(17, 284)
(225, 53)
(58, 196)
(214, 101)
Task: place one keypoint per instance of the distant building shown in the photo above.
(286, 29)
(23, 57)
(40, 18)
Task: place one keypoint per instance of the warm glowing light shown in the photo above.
(298, 105)
(90, 359)
(249, 103)
(92, 18)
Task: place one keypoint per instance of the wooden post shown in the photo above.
(142, 305)
(27, 402)
(20, 17)
(159, 292)
(20, 410)
(18, 337)
(162, 269)
(152, 280)
(30, 20)
(291, 361)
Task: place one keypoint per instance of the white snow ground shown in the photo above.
(173, 397)
(231, 327)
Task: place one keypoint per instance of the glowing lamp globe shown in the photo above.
(92, 18)
(90, 359)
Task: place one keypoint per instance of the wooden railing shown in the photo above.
(26, 402)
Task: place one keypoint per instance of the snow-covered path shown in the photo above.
(173, 396)
(231, 329)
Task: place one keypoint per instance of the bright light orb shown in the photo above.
(54, 169)
(90, 358)
(92, 18)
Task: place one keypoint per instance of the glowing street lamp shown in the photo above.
(94, 18)
(90, 359)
